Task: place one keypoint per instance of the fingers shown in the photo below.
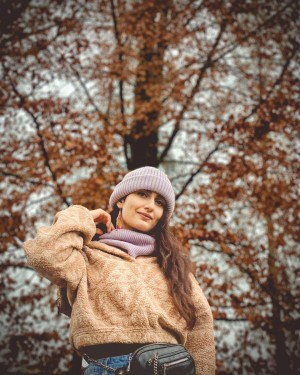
(101, 216)
(99, 231)
(109, 226)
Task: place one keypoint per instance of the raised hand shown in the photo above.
(101, 216)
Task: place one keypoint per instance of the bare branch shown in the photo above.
(121, 94)
(275, 84)
(193, 175)
(248, 272)
(181, 162)
(208, 64)
(269, 22)
(43, 147)
(101, 115)
(29, 180)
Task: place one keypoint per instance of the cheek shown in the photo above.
(159, 214)
(126, 212)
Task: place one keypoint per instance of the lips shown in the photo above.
(145, 215)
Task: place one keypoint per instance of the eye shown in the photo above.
(160, 202)
(142, 193)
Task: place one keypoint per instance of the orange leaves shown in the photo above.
(225, 248)
(151, 83)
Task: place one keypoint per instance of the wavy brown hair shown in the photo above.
(175, 263)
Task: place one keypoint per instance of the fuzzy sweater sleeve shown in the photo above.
(55, 252)
(200, 340)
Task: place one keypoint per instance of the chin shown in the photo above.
(142, 228)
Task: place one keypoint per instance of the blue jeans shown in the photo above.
(114, 362)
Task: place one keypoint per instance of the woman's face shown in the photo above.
(142, 210)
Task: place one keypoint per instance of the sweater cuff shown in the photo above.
(78, 219)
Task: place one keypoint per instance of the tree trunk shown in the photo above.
(141, 144)
(277, 330)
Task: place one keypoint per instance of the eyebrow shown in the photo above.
(158, 195)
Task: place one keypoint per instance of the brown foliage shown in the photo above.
(207, 90)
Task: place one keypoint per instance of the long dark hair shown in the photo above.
(175, 263)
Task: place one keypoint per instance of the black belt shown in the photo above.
(109, 350)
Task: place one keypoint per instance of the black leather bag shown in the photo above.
(161, 359)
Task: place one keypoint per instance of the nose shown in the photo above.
(150, 203)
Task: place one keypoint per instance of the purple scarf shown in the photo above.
(135, 243)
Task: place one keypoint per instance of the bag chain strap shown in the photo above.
(155, 364)
(121, 371)
(113, 370)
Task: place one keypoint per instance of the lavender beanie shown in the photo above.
(148, 178)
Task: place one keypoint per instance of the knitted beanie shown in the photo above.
(148, 178)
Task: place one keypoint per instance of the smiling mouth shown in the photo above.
(145, 216)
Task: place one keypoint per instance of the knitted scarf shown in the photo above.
(135, 243)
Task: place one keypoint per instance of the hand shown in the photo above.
(101, 216)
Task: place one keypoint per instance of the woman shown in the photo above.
(131, 287)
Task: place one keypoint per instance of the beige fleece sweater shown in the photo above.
(116, 298)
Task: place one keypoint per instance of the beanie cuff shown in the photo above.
(148, 178)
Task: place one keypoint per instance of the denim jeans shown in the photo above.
(114, 362)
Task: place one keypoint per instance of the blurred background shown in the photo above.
(207, 91)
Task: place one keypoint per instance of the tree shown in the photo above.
(207, 90)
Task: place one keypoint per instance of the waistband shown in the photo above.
(109, 350)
